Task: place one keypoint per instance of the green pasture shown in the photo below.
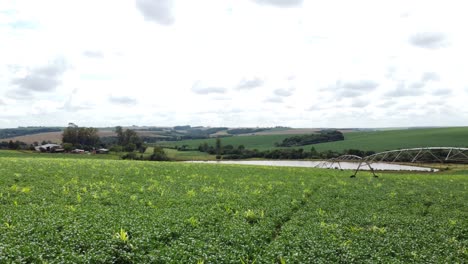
(183, 155)
(117, 211)
(260, 142)
(398, 139)
(188, 155)
(375, 140)
(34, 154)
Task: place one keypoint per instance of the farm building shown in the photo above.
(102, 151)
(49, 148)
(78, 151)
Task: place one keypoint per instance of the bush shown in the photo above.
(130, 147)
(323, 136)
(159, 154)
(130, 156)
(116, 148)
(67, 147)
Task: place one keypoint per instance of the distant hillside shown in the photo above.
(56, 137)
(23, 131)
(260, 142)
(398, 139)
(363, 140)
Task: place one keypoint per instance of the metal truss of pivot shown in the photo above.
(328, 164)
(411, 155)
(359, 167)
(414, 155)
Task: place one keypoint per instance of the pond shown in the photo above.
(321, 164)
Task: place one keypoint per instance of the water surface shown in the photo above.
(321, 164)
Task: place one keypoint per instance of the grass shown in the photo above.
(175, 155)
(34, 154)
(115, 211)
(260, 142)
(376, 141)
(188, 155)
(397, 139)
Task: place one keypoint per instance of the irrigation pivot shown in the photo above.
(411, 155)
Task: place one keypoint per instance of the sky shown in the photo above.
(235, 63)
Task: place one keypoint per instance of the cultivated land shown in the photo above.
(261, 142)
(104, 211)
(369, 140)
(57, 136)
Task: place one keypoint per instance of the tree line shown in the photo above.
(80, 137)
(321, 137)
(240, 152)
(87, 138)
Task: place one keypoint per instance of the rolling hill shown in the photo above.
(364, 140)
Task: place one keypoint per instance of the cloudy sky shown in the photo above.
(299, 63)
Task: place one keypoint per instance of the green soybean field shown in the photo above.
(114, 211)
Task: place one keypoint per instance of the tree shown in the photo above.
(81, 136)
(313, 153)
(130, 147)
(203, 147)
(128, 138)
(13, 145)
(159, 154)
(218, 146)
(67, 147)
(120, 137)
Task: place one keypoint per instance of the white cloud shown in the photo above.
(349, 89)
(360, 103)
(283, 92)
(405, 90)
(247, 84)
(442, 91)
(280, 3)
(200, 88)
(42, 79)
(93, 54)
(123, 100)
(274, 99)
(429, 40)
(430, 76)
(159, 11)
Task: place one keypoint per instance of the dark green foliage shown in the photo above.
(82, 137)
(68, 146)
(218, 147)
(129, 147)
(13, 145)
(128, 139)
(302, 140)
(159, 154)
(101, 211)
(232, 152)
(237, 131)
(132, 156)
(213, 130)
(182, 127)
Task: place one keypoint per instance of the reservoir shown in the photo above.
(321, 164)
